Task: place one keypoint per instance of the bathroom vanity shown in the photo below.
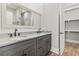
(17, 16)
(31, 45)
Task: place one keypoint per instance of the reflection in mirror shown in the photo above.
(10, 15)
(26, 18)
(18, 16)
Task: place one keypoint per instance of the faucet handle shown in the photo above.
(10, 34)
(18, 34)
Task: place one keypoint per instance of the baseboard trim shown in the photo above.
(61, 52)
(72, 41)
(55, 50)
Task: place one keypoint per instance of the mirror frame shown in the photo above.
(4, 25)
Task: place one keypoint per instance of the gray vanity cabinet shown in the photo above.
(38, 46)
(18, 48)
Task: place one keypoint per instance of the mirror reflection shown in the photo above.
(17, 15)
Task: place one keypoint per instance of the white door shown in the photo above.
(61, 31)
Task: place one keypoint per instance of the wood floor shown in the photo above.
(52, 54)
(71, 49)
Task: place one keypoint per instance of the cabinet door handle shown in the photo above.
(40, 47)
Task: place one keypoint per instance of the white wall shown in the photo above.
(0, 16)
(68, 5)
(50, 22)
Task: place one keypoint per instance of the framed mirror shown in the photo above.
(17, 15)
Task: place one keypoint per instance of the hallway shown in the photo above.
(71, 49)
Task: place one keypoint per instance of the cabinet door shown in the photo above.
(48, 42)
(18, 53)
(47, 45)
(12, 52)
(43, 45)
(40, 51)
(31, 49)
(40, 46)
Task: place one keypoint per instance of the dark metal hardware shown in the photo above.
(15, 32)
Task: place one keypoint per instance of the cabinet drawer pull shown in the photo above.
(24, 55)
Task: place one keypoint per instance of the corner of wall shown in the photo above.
(55, 50)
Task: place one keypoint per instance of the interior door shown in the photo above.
(61, 30)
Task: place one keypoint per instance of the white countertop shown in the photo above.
(12, 40)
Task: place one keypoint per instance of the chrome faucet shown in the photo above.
(15, 34)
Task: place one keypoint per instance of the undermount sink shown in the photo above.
(17, 37)
(28, 35)
(22, 37)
